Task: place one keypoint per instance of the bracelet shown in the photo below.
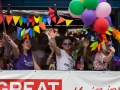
(111, 55)
(52, 40)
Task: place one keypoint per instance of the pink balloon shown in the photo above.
(74, 16)
(103, 9)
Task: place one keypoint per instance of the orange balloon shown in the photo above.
(101, 25)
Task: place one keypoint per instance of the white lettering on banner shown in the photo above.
(4, 84)
(53, 84)
(18, 87)
(26, 84)
(42, 86)
(31, 84)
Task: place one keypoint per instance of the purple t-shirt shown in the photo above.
(23, 62)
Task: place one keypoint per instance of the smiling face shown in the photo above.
(26, 44)
(67, 44)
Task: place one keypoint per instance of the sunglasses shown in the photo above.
(108, 45)
(67, 43)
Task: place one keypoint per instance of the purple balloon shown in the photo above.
(88, 17)
(102, 1)
(108, 19)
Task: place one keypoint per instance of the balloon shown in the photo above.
(108, 19)
(76, 7)
(74, 16)
(103, 9)
(91, 4)
(102, 1)
(101, 25)
(88, 17)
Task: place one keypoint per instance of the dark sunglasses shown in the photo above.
(67, 43)
(108, 45)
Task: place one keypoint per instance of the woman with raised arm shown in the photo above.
(22, 57)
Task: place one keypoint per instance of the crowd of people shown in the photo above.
(53, 53)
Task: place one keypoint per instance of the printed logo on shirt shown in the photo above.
(29, 64)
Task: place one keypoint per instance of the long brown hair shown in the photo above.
(21, 47)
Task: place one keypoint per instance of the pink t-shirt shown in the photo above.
(98, 62)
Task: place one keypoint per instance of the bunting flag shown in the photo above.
(60, 20)
(51, 11)
(20, 21)
(15, 19)
(94, 44)
(8, 18)
(68, 22)
(49, 20)
(33, 22)
(27, 36)
(54, 19)
(93, 48)
(99, 47)
(110, 29)
(37, 29)
(19, 32)
(28, 23)
(1, 18)
(27, 31)
(40, 19)
(30, 19)
(104, 37)
(23, 32)
(108, 33)
(31, 32)
(24, 18)
(42, 25)
(36, 19)
(44, 19)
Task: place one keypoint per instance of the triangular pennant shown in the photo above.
(30, 18)
(36, 19)
(33, 23)
(103, 43)
(93, 48)
(68, 22)
(31, 32)
(40, 19)
(110, 29)
(23, 32)
(108, 33)
(42, 25)
(20, 21)
(94, 44)
(37, 29)
(28, 23)
(60, 20)
(27, 31)
(1, 18)
(104, 37)
(44, 19)
(24, 36)
(51, 11)
(24, 18)
(19, 32)
(27, 36)
(15, 19)
(8, 18)
(49, 20)
(54, 19)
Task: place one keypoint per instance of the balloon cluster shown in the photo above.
(92, 12)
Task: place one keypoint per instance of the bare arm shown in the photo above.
(53, 42)
(39, 61)
(13, 45)
(36, 67)
(49, 60)
(110, 55)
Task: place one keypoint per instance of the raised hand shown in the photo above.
(7, 37)
(112, 49)
(85, 43)
(51, 33)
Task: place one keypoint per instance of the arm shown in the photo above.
(53, 42)
(39, 61)
(13, 45)
(49, 60)
(110, 55)
(36, 67)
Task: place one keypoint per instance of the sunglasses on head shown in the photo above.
(108, 45)
(67, 43)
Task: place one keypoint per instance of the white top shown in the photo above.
(64, 62)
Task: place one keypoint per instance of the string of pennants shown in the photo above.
(41, 22)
